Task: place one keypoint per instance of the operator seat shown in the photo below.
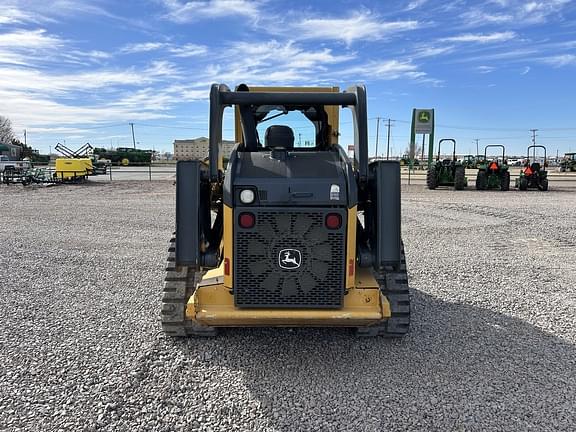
(279, 137)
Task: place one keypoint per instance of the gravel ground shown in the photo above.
(492, 345)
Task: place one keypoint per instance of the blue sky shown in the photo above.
(80, 71)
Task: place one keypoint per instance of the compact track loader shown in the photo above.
(286, 235)
(447, 172)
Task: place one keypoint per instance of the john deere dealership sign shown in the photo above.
(423, 121)
(422, 124)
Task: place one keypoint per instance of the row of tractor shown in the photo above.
(493, 172)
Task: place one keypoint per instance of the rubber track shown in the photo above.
(394, 285)
(179, 285)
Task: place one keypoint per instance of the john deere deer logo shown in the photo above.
(289, 259)
(423, 116)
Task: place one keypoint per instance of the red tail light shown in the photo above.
(227, 266)
(247, 220)
(333, 221)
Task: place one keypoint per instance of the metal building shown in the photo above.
(197, 149)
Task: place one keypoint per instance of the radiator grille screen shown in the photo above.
(289, 259)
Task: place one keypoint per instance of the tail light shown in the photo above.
(333, 221)
(247, 220)
(226, 266)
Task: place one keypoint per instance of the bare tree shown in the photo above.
(6, 131)
(417, 150)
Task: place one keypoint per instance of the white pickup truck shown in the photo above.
(7, 164)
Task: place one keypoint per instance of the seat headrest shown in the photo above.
(279, 136)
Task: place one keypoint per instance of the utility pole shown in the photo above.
(299, 140)
(476, 139)
(534, 142)
(377, 134)
(25, 137)
(388, 141)
(133, 139)
(533, 136)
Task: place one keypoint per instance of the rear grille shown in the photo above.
(278, 239)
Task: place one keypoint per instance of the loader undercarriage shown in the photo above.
(197, 303)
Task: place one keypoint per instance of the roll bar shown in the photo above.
(536, 146)
(495, 145)
(221, 97)
(453, 151)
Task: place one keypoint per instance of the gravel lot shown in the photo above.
(492, 345)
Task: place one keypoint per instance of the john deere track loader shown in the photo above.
(287, 235)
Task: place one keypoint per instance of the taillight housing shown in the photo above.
(333, 221)
(247, 220)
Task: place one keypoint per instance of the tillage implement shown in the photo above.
(287, 235)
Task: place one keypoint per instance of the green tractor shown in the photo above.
(533, 175)
(446, 172)
(493, 174)
(568, 163)
(469, 161)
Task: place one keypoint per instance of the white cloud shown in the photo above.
(28, 47)
(14, 15)
(560, 60)
(479, 17)
(538, 12)
(485, 69)
(195, 10)
(519, 12)
(432, 51)
(33, 111)
(188, 50)
(383, 70)
(361, 26)
(134, 48)
(35, 39)
(481, 38)
(415, 4)
(271, 62)
(44, 83)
